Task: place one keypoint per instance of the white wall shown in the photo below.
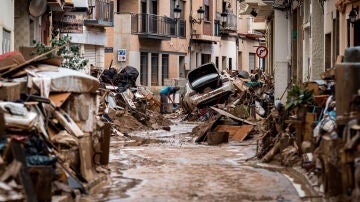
(228, 49)
(7, 20)
(281, 53)
(90, 36)
(247, 46)
(329, 15)
(317, 38)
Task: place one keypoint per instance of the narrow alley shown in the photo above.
(179, 100)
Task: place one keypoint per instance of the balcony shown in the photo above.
(230, 25)
(101, 14)
(152, 26)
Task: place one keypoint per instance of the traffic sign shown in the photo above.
(262, 51)
(121, 55)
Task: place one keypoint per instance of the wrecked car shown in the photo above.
(205, 87)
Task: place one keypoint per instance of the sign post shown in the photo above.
(121, 55)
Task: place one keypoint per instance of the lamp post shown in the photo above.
(177, 11)
(224, 17)
(353, 14)
(200, 17)
(201, 12)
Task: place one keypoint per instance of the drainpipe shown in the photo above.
(191, 33)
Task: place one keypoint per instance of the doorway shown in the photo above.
(327, 51)
(357, 33)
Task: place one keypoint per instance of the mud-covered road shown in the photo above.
(169, 166)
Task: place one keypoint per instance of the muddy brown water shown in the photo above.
(169, 166)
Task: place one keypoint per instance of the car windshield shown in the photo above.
(204, 80)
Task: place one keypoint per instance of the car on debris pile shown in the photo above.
(206, 87)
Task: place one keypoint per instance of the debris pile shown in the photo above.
(232, 115)
(127, 106)
(318, 129)
(51, 142)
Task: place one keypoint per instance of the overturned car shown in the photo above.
(206, 87)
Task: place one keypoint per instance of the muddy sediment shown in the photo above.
(169, 166)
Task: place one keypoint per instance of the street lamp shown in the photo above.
(224, 16)
(353, 14)
(177, 12)
(200, 13)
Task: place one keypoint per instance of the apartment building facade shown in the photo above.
(149, 36)
(7, 26)
(86, 23)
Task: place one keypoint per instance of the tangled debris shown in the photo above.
(249, 103)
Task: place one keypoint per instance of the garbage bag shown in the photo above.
(108, 75)
(40, 160)
(36, 146)
(126, 77)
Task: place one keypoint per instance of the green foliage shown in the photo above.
(70, 53)
(298, 97)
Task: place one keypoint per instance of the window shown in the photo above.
(251, 61)
(216, 27)
(207, 11)
(205, 58)
(144, 68)
(223, 62)
(182, 71)
(6, 42)
(118, 6)
(230, 63)
(165, 68)
(177, 28)
(154, 69)
(217, 62)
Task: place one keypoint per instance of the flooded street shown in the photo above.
(169, 166)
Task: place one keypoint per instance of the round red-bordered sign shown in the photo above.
(262, 51)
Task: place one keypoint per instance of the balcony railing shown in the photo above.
(102, 14)
(231, 23)
(157, 27)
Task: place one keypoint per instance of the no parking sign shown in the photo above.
(262, 51)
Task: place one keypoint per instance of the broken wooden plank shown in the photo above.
(2, 124)
(240, 84)
(86, 160)
(72, 180)
(22, 65)
(215, 137)
(201, 130)
(11, 171)
(105, 144)
(227, 114)
(236, 133)
(42, 177)
(58, 99)
(66, 121)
